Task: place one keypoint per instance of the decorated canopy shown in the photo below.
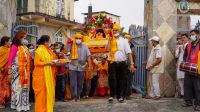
(96, 32)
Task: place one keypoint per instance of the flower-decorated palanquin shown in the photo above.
(96, 32)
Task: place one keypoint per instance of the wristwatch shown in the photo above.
(132, 63)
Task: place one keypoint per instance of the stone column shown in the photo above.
(7, 16)
(161, 20)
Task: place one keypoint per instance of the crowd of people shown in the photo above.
(187, 54)
(37, 73)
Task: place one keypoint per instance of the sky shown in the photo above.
(131, 11)
(194, 19)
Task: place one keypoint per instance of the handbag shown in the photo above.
(189, 67)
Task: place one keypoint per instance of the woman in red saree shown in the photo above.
(4, 77)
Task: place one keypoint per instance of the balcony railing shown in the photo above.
(21, 10)
(22, 6)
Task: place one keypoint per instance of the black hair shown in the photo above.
(186, 35)
(29, 45)
(43, 39)
(16, 41)
(62, 47)
(4, 39)
(52, 45)
(56, 44)
(195, 31)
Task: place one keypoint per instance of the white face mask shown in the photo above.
(116, 34)
(193, 38)
(78, 41)
(24, 42)
(31, 50)
(57, 50)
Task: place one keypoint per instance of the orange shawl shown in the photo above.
(4, 54)
(24, 65)
(74, 50)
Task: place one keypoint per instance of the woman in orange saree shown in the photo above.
(44, 76)
(4, 77)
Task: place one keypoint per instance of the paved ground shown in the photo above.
(137, 104)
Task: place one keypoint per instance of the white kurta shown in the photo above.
(180, 74)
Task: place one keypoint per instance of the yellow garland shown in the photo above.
(24, 65)
(113, 49)
(74, 47)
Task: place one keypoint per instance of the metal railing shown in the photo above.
(140, 77)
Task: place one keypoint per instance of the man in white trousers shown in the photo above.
(179, 54)
(156, 67)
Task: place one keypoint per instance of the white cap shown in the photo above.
(156, 38)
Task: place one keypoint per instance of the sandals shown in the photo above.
(156, 98)
(197, 108)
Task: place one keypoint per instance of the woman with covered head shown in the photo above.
(44, 76)
(4, 77)
(19, 68)
(80, 56)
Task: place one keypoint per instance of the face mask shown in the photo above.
(24, 42)
(57, 50)
(31, 50)
(116, 34)
(192, 38)
(78, 41)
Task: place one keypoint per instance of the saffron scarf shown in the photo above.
(24, 65)
(4, 54)
(47, 56)
(113, 49)
(74, 50)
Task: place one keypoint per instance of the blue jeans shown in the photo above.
(61, 86)
(76, 83)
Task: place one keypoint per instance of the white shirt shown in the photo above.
(123, 49)
(156, 53)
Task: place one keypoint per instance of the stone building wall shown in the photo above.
(7, 16)
(161, 20)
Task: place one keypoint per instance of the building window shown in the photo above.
(22, 6)
(60, 8)
(59, 37)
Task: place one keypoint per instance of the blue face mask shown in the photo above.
(24, 42)
(193, 38)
